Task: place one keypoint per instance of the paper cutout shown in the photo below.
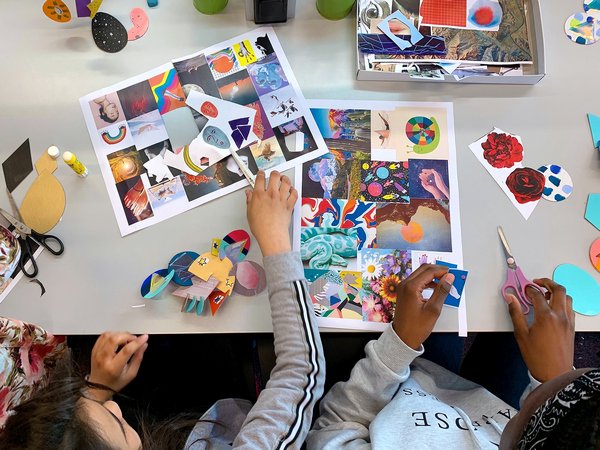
(581, 286)
(559, 185)
(328, 246)
(17, 166)
(40, 284)
(446, 13)
(44, 202)
(56, 10)
(591, 6)
(380, 44)
(335, 295)
(192, 304)
(180, 264)
(109, 34)
(231, 119)
(595, 254)
(384, 182)
(157, 168)
(235, 246)
(198, 289)
(592, 210)
(94, 6)
(458, 285)
(214, 248)
(583, 29)
(207, 265)
(502, 156)
(382, 272)
(415, 35)
(250, 278)
(10, 255)
(216, 299)
(484, 15)
(595, 128)
(82, 8)
(156, 282)
(139, 19)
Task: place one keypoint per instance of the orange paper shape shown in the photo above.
(595, 254)
(56, 10)
(207, 265)
(215, 300)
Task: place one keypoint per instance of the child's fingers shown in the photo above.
(293, 198)
(248, 195)
(284, 189)
(274, 182)
(260, 181)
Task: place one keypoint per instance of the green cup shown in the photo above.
(335, 9)
(210, 6)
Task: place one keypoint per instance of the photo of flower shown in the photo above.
(502, 150)
(372, 269)
(526, 184)
(389, 287)
(383, 270)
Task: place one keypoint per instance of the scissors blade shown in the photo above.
(505, 243)
(20, 227)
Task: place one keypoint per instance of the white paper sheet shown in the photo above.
(274, 91)
(398, 148)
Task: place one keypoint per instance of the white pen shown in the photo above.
(243, 167)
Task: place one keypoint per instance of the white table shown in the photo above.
(48, 66)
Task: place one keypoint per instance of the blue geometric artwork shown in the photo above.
(380, 44)
(559, 184)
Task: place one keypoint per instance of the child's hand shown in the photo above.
(415, 317)
(116, 359)
(547, 345)
(270, 212)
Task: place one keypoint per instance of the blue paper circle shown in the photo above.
(581, 286)
(146, 291)
(181, 276)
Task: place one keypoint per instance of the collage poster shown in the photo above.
(160, 157)
(383, 201)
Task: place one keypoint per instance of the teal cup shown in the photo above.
(210, 6)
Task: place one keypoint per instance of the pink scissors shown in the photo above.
(515, 280)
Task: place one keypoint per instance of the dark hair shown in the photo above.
(55, 418)
(103, 116)
(579, 429)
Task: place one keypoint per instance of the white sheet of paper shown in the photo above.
(456, 256)
(500, 175)
(189, 201)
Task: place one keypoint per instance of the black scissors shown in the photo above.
(26, 236)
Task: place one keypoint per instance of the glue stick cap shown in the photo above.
(53, 151)
(68, 157)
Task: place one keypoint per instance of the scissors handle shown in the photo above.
(50, 242)
(27, 255)
(516, 283)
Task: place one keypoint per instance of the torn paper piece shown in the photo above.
(393, 22)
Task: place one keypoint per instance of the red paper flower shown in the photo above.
(526, 184)
(502, 150)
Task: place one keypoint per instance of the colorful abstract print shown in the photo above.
(317, 212)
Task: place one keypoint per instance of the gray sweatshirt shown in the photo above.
(282, 414)
(394, 401)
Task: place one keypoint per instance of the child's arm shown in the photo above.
(282, 415)
(349, 408)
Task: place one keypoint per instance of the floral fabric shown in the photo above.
(27, 353)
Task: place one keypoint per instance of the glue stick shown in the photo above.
(53, 152)
(75, 164)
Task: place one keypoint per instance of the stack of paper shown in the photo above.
(433, 38)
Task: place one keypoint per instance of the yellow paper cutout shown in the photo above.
(94, 6)
(229, 283)
(244, 53)
(155, 282)
(214, 250)
(207, 265)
